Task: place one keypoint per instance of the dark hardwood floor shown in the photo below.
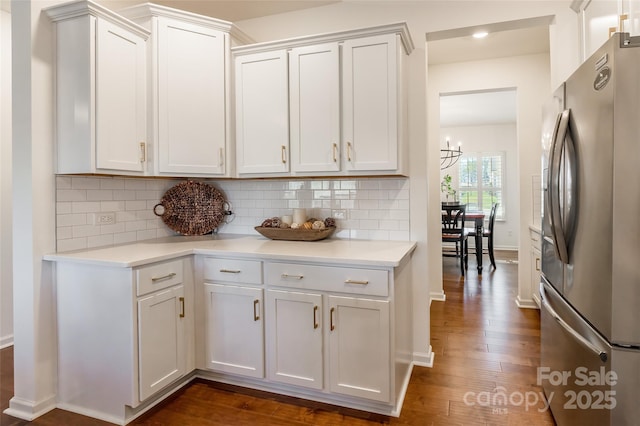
(485, 347)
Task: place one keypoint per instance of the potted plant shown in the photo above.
(447, 189)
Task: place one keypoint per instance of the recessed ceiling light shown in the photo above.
(480, 34)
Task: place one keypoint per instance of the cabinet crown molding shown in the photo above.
(146, 10)
(79, 8)
(399, 28)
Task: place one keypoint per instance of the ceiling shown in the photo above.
(489, 107)
(478, 108)
(516, 42)
(228, 10)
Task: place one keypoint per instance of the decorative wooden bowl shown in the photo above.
(296, 234)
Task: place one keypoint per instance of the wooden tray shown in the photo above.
(296, 234)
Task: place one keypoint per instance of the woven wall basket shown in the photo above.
(192, 208)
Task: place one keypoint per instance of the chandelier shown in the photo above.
(449, 156)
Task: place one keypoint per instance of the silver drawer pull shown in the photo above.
(356, 282)
(230, 271)
(297, 277)
(164, 277)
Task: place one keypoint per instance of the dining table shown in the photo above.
(477, 217)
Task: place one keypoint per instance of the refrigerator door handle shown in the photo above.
(561, 133)
(577, 336)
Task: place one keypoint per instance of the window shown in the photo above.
(481, 181)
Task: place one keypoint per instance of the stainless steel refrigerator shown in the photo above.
(590, 286)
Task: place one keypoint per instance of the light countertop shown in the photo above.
(334, 251)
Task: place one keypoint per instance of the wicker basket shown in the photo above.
(192, 208)
(296, 234)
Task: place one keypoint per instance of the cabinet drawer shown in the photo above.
(159, 276)
(233, 270)
(372, 282)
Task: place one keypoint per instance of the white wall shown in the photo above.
(35, 361)
(6, 255)
(494, 138)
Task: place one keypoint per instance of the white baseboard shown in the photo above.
(438, 296)
(526, 303)
(6, 341)
(424, 359)
(29, 410)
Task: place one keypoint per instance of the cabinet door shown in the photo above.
(359, 349)
(370, 103)
(631, 8)
(294, 348)
(262, 113)
(120, 98)
(161, 357)
(598, 17)
(314, 84)
(191, 98)
(235, 335)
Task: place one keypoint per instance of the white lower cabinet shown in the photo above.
(359, 358)
(234, 329)
(329, 328)
(125, 335)
(294, 344)
(161, 357)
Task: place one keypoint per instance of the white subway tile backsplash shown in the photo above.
(99, 194)
(74, 219)
(71, 195)
(124, 237)
(100, 241)
(85, 183)
(63, 207)
(364, 208)
(114, 183)
(135, 205)
(85, 207)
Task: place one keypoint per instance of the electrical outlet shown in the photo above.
(105, 218)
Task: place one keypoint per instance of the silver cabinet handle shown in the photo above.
(297, 277)
(349, 151)
(335, 151)
(362, 282)
(230, 271)
(284, 154)
(164, 277)
(143, 152)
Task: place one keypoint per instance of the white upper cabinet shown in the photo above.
(346, 110)
(100, 91)
(262, 113)
(314, 93)
(599, 19)
(188, 87)
(371, 103)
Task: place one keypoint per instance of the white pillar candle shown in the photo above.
(299, 216)
(287, 219)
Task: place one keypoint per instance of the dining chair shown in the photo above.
(488, 234)
(453, 231)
